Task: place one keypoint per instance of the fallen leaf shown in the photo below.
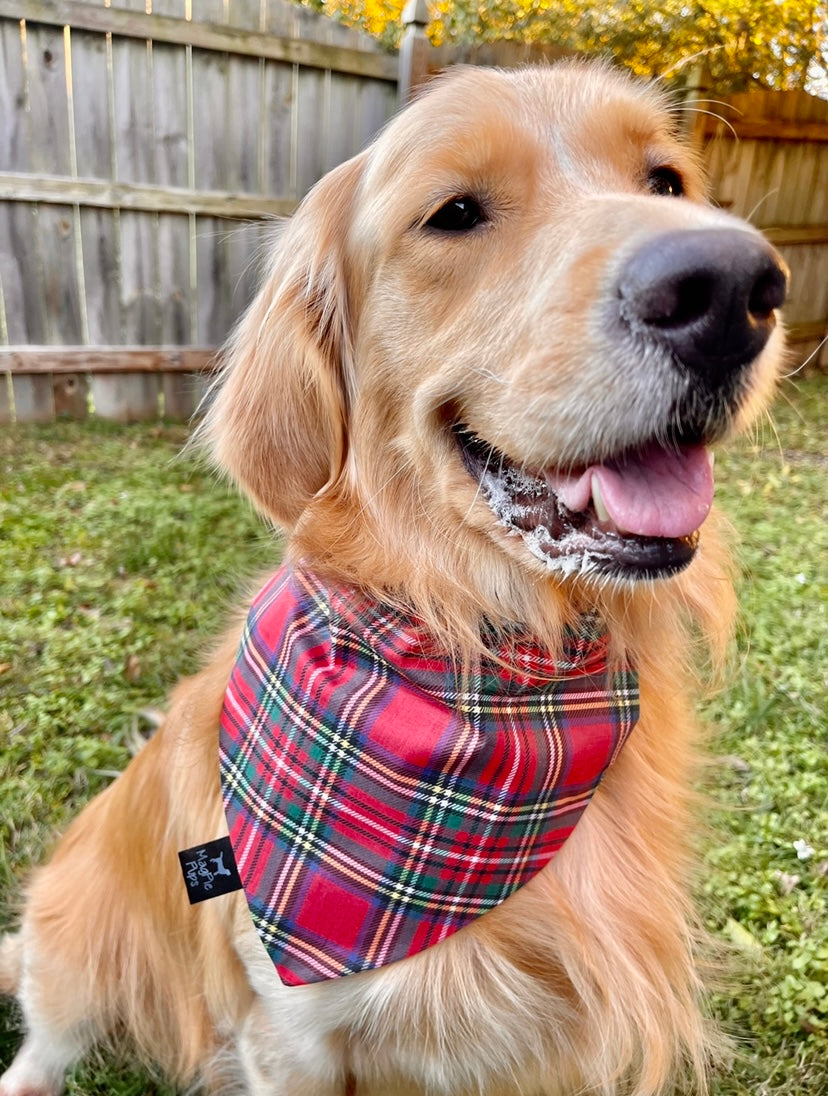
(787, 881)
(742, 937)
(132, 668)
(736, 763)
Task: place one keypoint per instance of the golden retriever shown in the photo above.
(479, 384)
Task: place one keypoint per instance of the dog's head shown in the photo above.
(504, 337)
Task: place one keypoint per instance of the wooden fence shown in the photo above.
(143, 158)
(768, 162)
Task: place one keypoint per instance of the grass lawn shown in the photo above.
(119, 559)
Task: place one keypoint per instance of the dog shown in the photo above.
(478, 388)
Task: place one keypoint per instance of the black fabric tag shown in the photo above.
(210, 870)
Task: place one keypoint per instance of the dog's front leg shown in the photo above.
(58, 1015)
(285, 1063)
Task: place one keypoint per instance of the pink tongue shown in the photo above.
(653, 493)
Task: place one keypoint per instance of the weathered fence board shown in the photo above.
(14, 145)
(47, 110)
(99, 240)
(279, 138)
(176, 301)
(311, 116)
(89, 106)
(134, 396)
(21, 287)
(5, 398)
(70, 392)
(170, 110)
(33, 399)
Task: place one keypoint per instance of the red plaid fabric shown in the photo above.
(376, 801)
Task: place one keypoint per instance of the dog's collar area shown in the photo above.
(633, 517)
(377, 800)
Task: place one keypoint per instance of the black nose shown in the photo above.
(708, 294)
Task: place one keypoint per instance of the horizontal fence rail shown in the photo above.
(101, 194)
(110, 359)
(81, 15)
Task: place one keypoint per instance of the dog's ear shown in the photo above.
(277, 422)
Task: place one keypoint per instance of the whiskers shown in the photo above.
(487, 467)
(489, 374)
(693, 107)
(684, 62)
(804, 364)
(757, 433)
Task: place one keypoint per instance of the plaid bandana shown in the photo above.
(376, 801)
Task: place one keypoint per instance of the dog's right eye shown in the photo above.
(458, 215)
(667, 181)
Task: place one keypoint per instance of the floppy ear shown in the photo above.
(277, 423)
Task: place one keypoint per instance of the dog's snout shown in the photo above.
(710, 295)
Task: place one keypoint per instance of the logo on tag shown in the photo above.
(210, 870)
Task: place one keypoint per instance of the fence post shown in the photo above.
(414, 50)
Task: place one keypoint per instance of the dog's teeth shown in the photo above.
(598, 502)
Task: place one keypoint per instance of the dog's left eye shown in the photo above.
(664, 180)
(458, 215)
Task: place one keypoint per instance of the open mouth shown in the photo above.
(634, 516)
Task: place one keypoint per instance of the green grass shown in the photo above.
(773, 790)
(119, 560)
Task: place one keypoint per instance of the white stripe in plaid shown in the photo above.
(376, 802)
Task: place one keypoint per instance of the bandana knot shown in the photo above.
(377, 801)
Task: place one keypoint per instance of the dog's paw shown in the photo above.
(26, 1077)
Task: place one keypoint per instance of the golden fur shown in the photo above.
(331, 415)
